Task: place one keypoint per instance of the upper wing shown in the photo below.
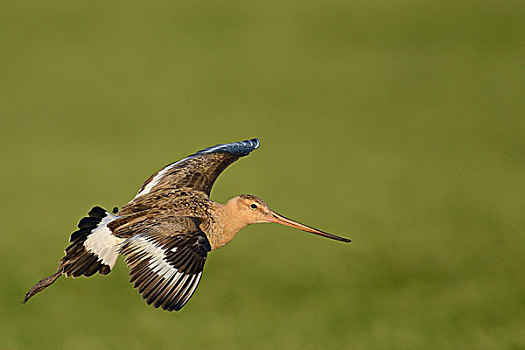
(200, 170)
(166, 260)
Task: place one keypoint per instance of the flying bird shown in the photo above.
(167, 230)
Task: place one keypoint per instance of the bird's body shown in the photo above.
(167, 230)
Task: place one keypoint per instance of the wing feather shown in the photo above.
(166, 261)
(198, 171)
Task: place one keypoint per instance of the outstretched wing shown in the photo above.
(200, 170)
(166, 260)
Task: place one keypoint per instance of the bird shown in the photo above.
(167, 230)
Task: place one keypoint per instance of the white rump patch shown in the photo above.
(103, 243)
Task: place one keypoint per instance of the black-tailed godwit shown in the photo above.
(166, 231)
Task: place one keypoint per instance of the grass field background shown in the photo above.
(399, 124)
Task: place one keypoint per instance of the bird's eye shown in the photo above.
(253, 206)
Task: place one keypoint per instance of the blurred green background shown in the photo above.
(399, 124)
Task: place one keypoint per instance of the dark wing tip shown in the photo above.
(239, 149)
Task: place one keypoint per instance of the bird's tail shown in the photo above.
(93, 249)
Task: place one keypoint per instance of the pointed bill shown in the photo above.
(279, 219)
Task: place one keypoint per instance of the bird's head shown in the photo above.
(249, 209)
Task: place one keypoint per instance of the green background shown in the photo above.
(399, 124)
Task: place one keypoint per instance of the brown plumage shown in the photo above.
(167, 230)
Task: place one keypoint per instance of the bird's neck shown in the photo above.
(231, 224)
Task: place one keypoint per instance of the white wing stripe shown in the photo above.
(195, 284)
(158, 263)
(156, 178)
(253, 144)
(157, 280)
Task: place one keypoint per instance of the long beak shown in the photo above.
(279, 219)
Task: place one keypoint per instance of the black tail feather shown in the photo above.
(78, 261)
